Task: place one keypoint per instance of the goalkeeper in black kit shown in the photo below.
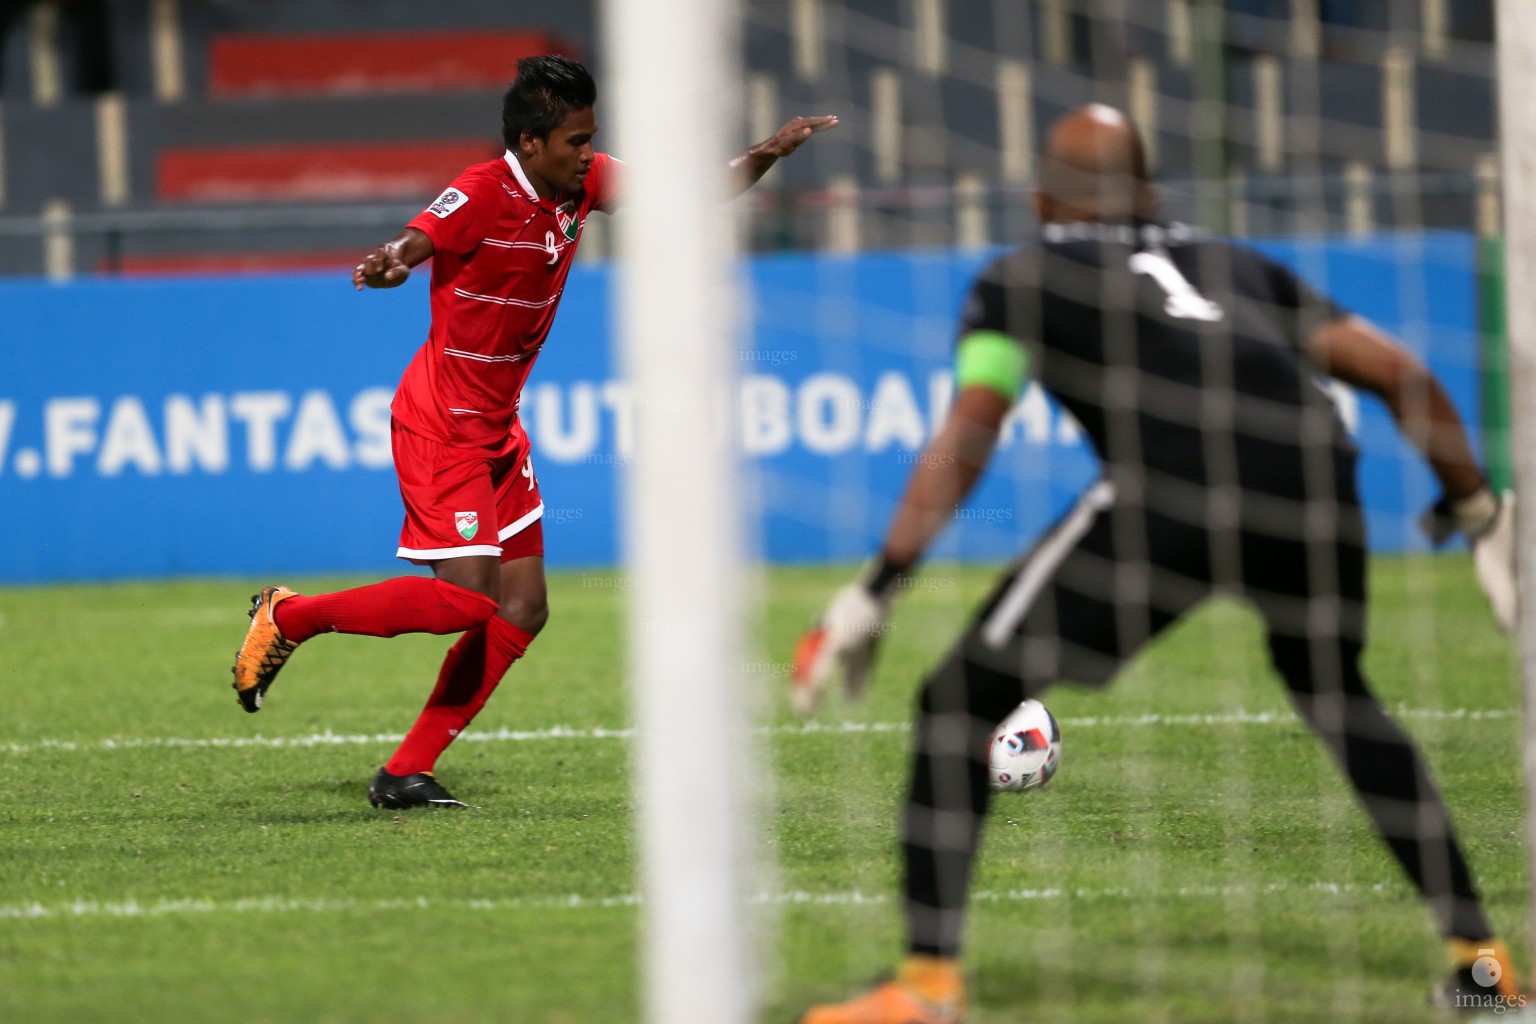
(1191, 364)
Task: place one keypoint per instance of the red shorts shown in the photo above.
(466, 501)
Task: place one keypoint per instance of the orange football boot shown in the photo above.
(891, 1003)
(1482, 981)
(927, 990)
(264, 651)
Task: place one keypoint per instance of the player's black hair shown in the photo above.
(546, 91)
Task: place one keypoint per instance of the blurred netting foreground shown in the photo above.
(1200, 856)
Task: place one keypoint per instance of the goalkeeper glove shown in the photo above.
(1488, 521)
(846, 638)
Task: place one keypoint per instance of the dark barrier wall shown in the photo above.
(223, 426)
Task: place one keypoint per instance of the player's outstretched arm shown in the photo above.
(1358, 353)
(848, 633)
(388, 265)
(1355, 351)
(748, 167)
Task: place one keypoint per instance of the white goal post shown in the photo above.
(1517, 130)
(672, 67)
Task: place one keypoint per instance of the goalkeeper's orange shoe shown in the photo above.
(264, 651)
(1482, 981)
(891, 1003)
(927, 990)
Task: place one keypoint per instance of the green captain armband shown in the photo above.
(993, 360)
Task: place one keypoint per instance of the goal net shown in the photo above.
(1234, 833)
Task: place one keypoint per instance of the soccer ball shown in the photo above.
(1025, 750)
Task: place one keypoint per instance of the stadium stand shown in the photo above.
(282, 104)
(254, 65)
(279, 173)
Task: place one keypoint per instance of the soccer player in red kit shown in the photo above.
(501, 238)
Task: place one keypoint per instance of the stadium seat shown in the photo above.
(306, 173)
(255, 64)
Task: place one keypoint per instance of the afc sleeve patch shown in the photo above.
(450, 200)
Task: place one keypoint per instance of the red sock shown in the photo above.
(466, 681)
(405, 604)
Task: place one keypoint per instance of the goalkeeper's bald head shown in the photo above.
(1095, 169)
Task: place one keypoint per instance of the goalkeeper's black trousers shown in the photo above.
(1101, 584)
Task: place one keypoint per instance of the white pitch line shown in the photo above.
(132, 908)
(321, 739)
(563, 732)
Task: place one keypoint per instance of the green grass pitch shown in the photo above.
(165, 857)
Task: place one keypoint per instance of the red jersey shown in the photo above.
(500, 263)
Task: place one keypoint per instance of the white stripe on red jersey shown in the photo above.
(461, 293)
(460, 354)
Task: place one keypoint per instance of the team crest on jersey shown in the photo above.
(450, 200)
(570, 224)
(467, 523)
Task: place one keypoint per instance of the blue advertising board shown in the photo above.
(241, 425)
